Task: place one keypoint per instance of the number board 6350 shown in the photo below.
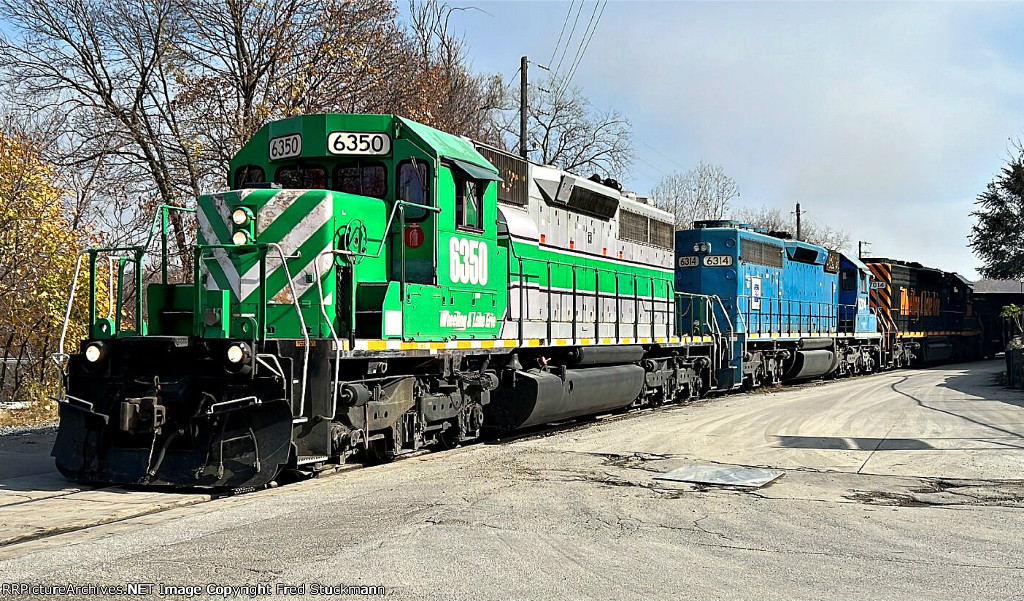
(362, 143)
(285, 147)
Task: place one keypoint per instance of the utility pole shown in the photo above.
(523, 105)
(798, 213)
(860, 248)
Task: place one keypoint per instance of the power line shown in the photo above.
(651, 165)
(512, 80)
(571, 32)
(583, 50)
(583, 38)
(560, 33)
(665, 156)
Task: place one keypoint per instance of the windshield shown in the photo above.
(362, 178)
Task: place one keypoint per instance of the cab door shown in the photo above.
(414, 231)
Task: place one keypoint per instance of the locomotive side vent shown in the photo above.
(763, 253)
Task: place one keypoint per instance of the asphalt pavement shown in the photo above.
(897, 485)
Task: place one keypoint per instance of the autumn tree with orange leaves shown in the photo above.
(38, 252)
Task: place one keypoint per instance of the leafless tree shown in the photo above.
(107, 69)
(147, 101)
(823, 235)
(769, 218)
(703, 192)
(775, 220)
(455, 99)
(564, 129)
(247, 62)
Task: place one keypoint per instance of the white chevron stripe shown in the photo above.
(299, 280)
(206, 227)
(277, 205)
(296, 237)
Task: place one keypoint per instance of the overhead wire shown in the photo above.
(567, 41)
(512, 80)
(651, 165)
(561, 33)
(583, 47)
(665, 156)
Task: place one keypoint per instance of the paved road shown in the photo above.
(35, 500)
(898, 485)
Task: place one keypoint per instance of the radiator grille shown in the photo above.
(633, 227)
(761, 252)
(513, 188)
(662, 234)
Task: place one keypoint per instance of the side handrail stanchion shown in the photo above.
(330, 326)
(302, 324)
(71, 302)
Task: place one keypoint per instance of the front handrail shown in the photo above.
(330, 326)
(201, 250)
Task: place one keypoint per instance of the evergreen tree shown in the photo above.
(997, 236)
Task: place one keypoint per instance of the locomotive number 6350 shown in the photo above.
(468, 261)
(365, 143)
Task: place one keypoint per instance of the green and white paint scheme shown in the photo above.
(403, 262)
(577, 273)
(415, 273)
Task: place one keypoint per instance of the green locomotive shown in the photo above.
(373, 285)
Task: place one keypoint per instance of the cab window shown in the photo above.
(468, 204)
(305, 177)
(249, 174)
(848, 280)
(413, 182)
(364, 179)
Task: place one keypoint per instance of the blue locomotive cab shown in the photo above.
(855, 281)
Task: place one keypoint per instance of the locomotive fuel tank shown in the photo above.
(812, 364)
(534, 396)
(816, 357)
(936, 349)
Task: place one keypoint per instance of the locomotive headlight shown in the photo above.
(241, 216)
(240, 238)
(95, 351)
(238, 353)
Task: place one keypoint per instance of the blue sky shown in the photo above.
(884, 118)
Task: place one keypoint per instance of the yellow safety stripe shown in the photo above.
(400, 345)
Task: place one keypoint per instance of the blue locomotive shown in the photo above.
(794, 310)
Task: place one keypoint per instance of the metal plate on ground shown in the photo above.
(750, 477)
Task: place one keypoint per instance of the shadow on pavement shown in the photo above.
(979, 383)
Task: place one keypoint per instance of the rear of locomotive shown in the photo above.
(927, 312)
(222, 380)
